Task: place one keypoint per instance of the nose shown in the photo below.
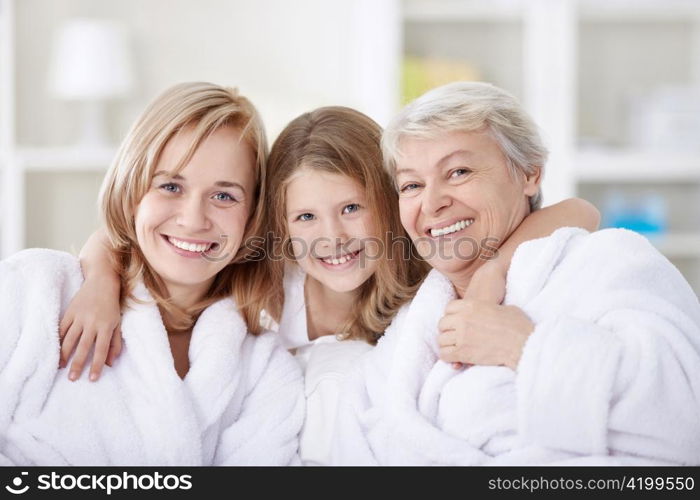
(192, 215)
(334, 232)
(435, 199)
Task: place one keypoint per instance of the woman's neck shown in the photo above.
(327, 311)
(186, 296)
(461, 280)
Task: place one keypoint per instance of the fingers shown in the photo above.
(115, 346)
(68, 343)
(81, 354)
(449, 322)
(464, 305)
(64, 326)
(454, 356)
(102, 345)
(483, 294)
(454, 306)
(449, 354)
(447, 339)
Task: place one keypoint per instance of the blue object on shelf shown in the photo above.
(645, 214)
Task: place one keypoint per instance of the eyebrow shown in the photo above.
(458, 152)
(440, 162)
(178, 177)
(400, 171)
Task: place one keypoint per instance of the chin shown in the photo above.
(344, 287)
(185, 279)
(451, 266)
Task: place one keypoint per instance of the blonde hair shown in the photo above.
(206, 108)
(344, 141)
(468, 107)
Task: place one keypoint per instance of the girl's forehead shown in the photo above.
(317, 187)
(309, 176)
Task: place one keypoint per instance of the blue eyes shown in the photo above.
(224, 197)
(454, 174)
(169, 187)
(347, 209)
(172, 188)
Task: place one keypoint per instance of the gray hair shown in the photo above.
(468, 107)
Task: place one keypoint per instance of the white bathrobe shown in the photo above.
(240, 403)
(324, 361)
(610, 375)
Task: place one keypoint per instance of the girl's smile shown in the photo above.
(329, 226)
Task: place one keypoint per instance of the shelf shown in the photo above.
(513, 10)
(462, 10)
(678, 245)
(628, 166)
(638, 10)
(70, 158)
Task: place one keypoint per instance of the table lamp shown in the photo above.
(90, 64)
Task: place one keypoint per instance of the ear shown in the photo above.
(532, 182)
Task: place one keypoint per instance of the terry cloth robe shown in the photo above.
(610, 374)
(324, 361)
(240, 403)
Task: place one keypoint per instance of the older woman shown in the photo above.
(594, 356)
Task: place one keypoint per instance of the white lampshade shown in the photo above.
(90, 61)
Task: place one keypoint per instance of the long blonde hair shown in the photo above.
(205, 107)
(343, 141)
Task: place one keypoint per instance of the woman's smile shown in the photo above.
(190, 248)
(448, 228)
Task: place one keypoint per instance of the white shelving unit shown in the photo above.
(34, 179)
(62, 159)
(8, 179)
(19, 164)
(632, 166)
(561, 49)
(48, 191)
(572, 62)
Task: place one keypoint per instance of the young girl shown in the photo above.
(347, 266)
(197, 385)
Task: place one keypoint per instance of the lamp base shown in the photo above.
(93, 134)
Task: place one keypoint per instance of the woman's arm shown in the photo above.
(94, 314)
(489, 281)
(488, 285)
(573, 212)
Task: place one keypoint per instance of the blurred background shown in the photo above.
(614, 84)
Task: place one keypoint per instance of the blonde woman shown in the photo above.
(343, 265)
(199, 384)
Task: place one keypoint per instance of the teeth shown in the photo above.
(341, 260)
(457, 226)
(190, 247)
